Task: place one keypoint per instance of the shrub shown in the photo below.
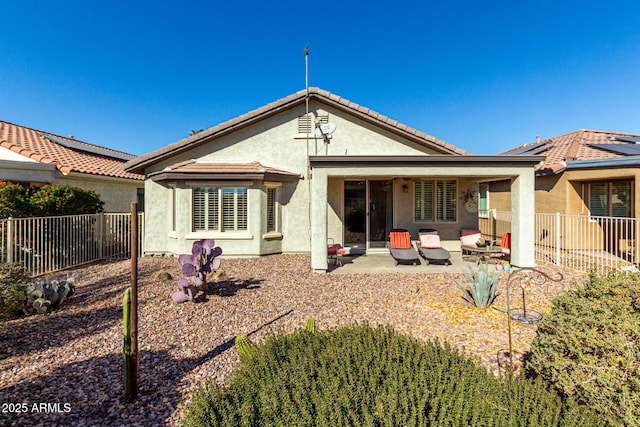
(357, 376)
(51, 199)
(48, 200)
(13, 285)
(14, 200)
(588, 346)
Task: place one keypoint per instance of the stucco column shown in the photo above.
(523, 219)
(319, 185)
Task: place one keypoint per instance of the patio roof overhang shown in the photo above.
(519, 169)
(427, 160)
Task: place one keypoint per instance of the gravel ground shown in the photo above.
(65, 368)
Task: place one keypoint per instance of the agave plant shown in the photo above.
(480, 289)
(203, 259)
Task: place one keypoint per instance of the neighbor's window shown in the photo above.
(483, 200)
(610, 199)
(220, 209)
(435, 201)
(272, 213)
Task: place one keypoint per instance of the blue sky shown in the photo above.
(485, 76)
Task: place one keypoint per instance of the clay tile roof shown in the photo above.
(577, 145)
(140, 163)
(67, 154)
(194, 170)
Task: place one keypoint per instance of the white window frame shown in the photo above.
(435, 204)
(222, 221)
(273, 208)
(483, 213)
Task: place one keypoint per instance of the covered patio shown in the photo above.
(333, 176)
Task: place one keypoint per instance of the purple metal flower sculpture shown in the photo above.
(204, 259)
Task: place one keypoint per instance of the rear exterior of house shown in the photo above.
(34, 157)
(274, 180)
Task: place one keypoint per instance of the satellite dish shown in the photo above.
(325, 129)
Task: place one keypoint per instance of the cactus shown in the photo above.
(46, 293)
(310, 325)
(203, 260)
(245, 347)
(127, 355)
(126, 322)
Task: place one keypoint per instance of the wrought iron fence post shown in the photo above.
(557, 238)
(10, 240)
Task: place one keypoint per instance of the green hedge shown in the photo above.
(588, 346)
(359, 376)
(47, 200)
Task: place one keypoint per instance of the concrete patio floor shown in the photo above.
(382, 262)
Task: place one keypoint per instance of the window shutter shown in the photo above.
(271, 209)
(598, 204)
(446, 201)
(423, 203)
(198, 208)
(212, 209)
(621, 199)
(228, 209)
(241, 208)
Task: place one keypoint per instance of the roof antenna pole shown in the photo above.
(306, 72)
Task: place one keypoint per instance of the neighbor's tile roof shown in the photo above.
(35, 145)
(571, 146)
(138, 164)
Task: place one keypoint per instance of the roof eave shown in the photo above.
(604, 163)
(328, 161)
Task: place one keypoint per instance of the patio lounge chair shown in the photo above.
(400, 247)
(430, 248)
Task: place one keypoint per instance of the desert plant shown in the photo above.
(244, 346)
(128, 357)
(204, 259)
(588, 346)
(13, 288)
(480, 289)
(46, 293)
(358, 375)
(310, 325)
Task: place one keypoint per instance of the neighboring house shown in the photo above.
(313, 166)
(586, 173)
(35, 157)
